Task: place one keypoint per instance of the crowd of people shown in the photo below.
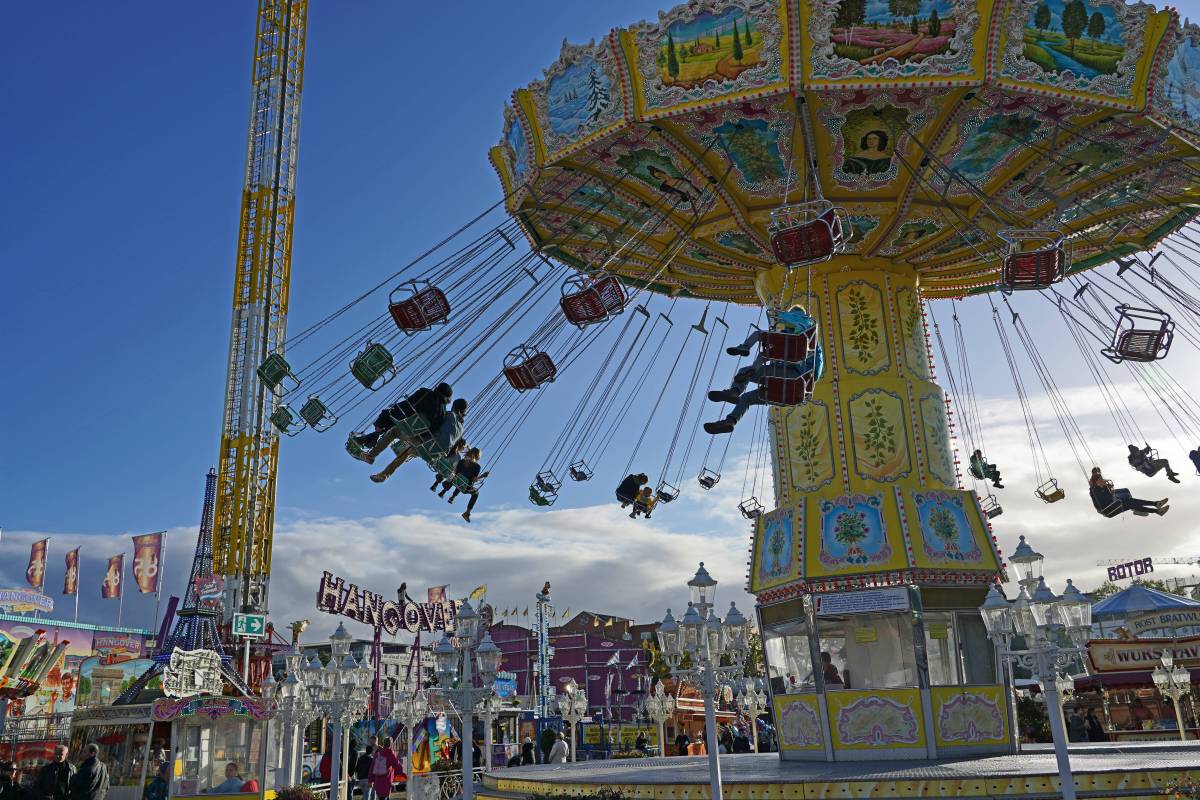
(59, 779)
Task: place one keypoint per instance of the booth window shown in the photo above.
(941, 648)
(209, 745)
(869, 651)
(789, 661)
(979, 654)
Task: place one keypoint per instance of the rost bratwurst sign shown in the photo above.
(335, 596)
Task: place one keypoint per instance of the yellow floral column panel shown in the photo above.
(798, 717)
(880, 436)
(969, 716)
(808, 446)
(864, 342)
(778, 552)
(938, 452)
(911, 324)
(884, 719)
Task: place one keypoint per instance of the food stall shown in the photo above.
(1121, 688)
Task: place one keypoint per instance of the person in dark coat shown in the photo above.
(10, 784)
(1095, 729)
(362, 771)
(54, 778)
(1076, 728)
(627, 491)
(527, 752)
(429, 404)
(90, 781)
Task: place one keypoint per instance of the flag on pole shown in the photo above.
(633, 662)
(71, 578)
(566, 613)
(147, 553)
(111, 586)
(437, 594)
(595, 622)
(525, 613)
(614, 660)
(479, 594)
(609, 624)
(35, 572)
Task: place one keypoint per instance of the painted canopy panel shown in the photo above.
(660, 151)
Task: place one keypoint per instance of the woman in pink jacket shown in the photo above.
(384, 769)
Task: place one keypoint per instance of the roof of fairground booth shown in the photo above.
(1136, 599)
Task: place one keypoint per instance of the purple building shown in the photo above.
(601, 653)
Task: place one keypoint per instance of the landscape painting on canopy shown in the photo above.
(709, 46)
(872, 31)
(1086, 39)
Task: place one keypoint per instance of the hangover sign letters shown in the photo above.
(337, 597)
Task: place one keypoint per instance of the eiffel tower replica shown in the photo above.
(196, 625)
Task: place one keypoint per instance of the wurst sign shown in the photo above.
(337, 597)
(1117, 655)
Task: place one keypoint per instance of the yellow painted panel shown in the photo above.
(777, 551)
(799, 721)
(886, 719)
(969, 715)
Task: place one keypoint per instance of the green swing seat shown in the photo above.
(352, 445)
(317, 414)
(274, 372)
(537, 498)
(373, 367)
(283, 419)
(443, 467)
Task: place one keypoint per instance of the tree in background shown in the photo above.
(1108, 588)
(1074, 20)
(672, 59)
(737, 43)
(746, 25)
(1041, 18)
(915, 28)
(935, 24)
(1096, 26)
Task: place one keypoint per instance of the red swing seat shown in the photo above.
(787, 391)
(1036, 259)
(806, 233)
(425, 306)
(587, 300)
(1142, 334)
(793, 347)
(526, 368)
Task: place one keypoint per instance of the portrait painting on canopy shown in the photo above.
(869, 139)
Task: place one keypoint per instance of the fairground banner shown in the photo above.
(147, 554)
(1117, 655)
(111, 586)
(71, 576)
(1163, 620)
(35, 573)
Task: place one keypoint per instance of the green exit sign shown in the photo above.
(249, 626)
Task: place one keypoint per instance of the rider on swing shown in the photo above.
(1139, 459)
(795, 322)
(984, 471)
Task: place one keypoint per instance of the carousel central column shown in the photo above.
(870, 570)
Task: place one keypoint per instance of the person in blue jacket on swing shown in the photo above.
(794, 321)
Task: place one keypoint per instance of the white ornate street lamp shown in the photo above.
(1038, 618)
(1028, 563)
(411, 712)
(294, 711)
(1173, 681)
(456, 666)
(716, 651)
(572, 707)
(753, 703)
(340, 691)
(660, 707)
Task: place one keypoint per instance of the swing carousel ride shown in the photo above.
(856, 160)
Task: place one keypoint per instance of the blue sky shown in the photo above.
(122, 172)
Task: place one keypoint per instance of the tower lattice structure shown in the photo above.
(196, 627)
(249, 451)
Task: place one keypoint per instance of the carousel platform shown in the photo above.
(1125, 771)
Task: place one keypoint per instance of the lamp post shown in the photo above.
(753, 703)
(1174, 682)
(411, 712)
(456, 665)
(294, 711)
(716, 652)
(1039, 618)
(572, 707)
(340, 691)
(660, 707)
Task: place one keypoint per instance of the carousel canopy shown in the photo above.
(659, 152)
(1137, 599)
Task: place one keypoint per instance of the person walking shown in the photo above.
(10, 784)
(681, 744)
(527, 752)
(159, 787)
(558, 751)
(90, 781)
(1076, 729)
(54, 778)
(1095, 729)
(385, 766)
(362, 771)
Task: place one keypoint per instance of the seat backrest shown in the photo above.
(781, 346)
(1137, 344)
(612, 293)
(541, 368)
(787, 391)
(806, 243)
(583, 307)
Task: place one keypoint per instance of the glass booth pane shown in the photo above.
(979, 654)
(789, 661)
(868, 651)
(941, 648)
